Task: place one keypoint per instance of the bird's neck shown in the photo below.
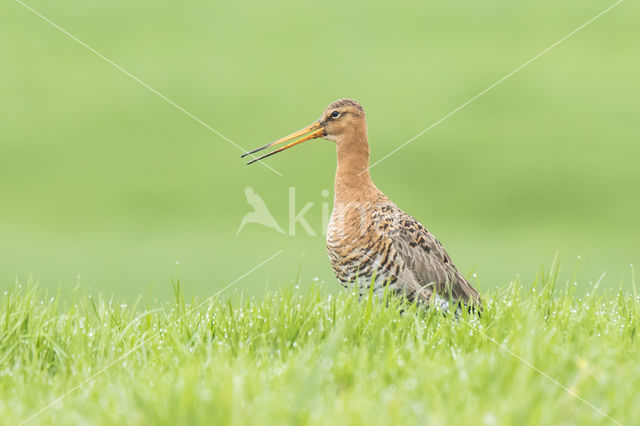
(353, 182)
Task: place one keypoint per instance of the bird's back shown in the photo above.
(373, 241)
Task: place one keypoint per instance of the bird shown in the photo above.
(260, 213)
(371, 241)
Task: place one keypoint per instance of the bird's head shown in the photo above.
(339, 123)
(341, 119)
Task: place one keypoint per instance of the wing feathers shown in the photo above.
(427, 260)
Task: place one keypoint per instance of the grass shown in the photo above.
(296, 356)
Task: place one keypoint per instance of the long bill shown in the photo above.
(312, 131)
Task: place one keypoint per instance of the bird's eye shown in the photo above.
(335, 114)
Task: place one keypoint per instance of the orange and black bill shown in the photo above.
(312, 131)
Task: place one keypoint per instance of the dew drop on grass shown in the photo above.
(489, 418)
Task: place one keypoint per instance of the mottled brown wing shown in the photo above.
(429, 262)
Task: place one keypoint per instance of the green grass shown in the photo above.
(298, 356)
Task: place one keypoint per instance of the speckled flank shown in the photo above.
(376, 242)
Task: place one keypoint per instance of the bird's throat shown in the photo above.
(353, 181)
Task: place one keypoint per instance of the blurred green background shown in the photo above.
(105, 185)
